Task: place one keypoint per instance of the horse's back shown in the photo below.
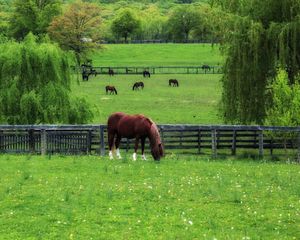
(131, 126)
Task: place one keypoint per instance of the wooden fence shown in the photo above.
(158, 70)
(92, 139)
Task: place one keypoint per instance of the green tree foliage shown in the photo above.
(182, 21)
(32, 16)
(284, 109)
(78, 29)
(35, 85)
(125, 24)
(266, 34)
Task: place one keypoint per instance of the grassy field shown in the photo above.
(194, 101)
(88, 197)
(157, 55)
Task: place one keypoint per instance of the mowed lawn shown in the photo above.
(195, 101)
(131, 55)
(89, 197)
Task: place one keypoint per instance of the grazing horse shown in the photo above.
(111, 72)
(134, 126)
(146, 73)
(205, 67)
(173, 82)
(111, 89)
(138, 85)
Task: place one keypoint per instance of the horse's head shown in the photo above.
(157, 149)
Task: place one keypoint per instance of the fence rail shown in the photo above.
(159, 70)
(92, 139)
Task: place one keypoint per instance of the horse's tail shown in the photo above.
(133, 87)
(177, 84)
(116, 91)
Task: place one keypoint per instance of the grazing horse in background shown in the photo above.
(111, 89)
(173, 82)
(111, 72)
(134, 126)
(205, 67)
(146, 73)
(138, 85)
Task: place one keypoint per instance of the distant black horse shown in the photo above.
(111, 72)
(111, 89)
(138, 85)
(205, 67)
(173, 82)
(86, 74)
(146, 73)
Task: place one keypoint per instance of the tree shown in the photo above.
(35, 85)
(125, 24)
(32, 16)
(182, 21)
(258, 42)
(78, 29)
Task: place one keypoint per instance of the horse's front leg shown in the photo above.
(143, 148)
(136, 145)
(117, 144)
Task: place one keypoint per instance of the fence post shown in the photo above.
(199, 141)
(102, 142)
(1, 141)
(233, 148)
(31, 140)
(43, 142)
(214, 143)
(261, 144)
(89, 141)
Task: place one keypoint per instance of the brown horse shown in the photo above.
(138, 85)
(111, 90)
(134, 126)
(111, 72)
(146, 73)
(173, 82)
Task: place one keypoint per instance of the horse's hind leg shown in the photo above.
(111, 137)
(143, 148)
(136, 145)
(117, 144)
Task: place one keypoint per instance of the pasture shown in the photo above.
(194, 101)
(117, 55)
(186, 197)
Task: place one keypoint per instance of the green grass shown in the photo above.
(88, 197)
(195, 101)
(157, 55)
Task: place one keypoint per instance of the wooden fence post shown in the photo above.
(199, 141)
(31, 140)
(214, 143)
(43, 142)
(89, 142)
(102, 142)
(261, 144)
(1, 141)
(233, 148)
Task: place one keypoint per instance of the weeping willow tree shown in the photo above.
(35, 85)
(266, 35)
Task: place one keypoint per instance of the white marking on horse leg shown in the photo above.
(118, 153)
(144, 157)
(134, 156)
(111, 155)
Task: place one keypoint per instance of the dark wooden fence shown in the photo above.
(92, 139)
(158, 70)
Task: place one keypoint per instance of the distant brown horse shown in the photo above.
(111, 90)
(134, 126)
(138, 85)
(205, 67)
(146, 73)
(173, 82)
(111, 72)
